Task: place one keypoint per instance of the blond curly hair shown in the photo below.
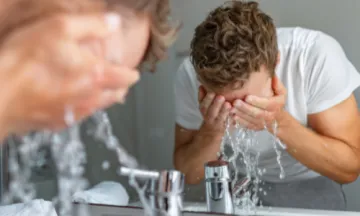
(234, 41)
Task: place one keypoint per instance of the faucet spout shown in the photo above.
(218, 187)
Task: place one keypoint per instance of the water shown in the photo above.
(105, 165)
(19, 188)
(103, 132)
(277, 142)
(240, 141)
(69, 156)
(238, 148)
(141, 193)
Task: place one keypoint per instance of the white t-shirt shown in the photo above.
(317, 75)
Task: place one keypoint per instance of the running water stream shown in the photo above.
(239, 149)
(69, 156)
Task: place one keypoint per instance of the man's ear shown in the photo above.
(202, 93)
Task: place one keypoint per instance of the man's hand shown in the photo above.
(59, 64)
(258, 113)
(214, 110)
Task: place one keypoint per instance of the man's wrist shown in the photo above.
(283, 121)
(209, 132)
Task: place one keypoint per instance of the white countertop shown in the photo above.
(301, 212)
(268, 211)
(273, 211)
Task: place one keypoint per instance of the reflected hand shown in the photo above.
(258, 113)
(214, 110)
(56, 64)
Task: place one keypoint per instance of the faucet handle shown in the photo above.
(244, 185)
(169, 181)
(138, 173)
(158, 182)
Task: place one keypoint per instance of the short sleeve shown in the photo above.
(331, 77)
(186, 103)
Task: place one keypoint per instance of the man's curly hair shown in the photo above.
(16, 13)
(234, 41)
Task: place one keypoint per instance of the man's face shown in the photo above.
(258, 84)
(134, 38)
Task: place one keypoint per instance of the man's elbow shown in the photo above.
(352, 178)
(352, 172)
(348, 178)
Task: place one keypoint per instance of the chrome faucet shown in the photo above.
(220, 194)
(164, 190)
(218, 187)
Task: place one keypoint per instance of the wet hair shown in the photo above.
(16, 13)
(234, 41)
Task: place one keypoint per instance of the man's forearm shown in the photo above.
(327, 156)
(190, 158)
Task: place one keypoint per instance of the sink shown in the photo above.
(193, 208)
(105, 210)
(269, 211)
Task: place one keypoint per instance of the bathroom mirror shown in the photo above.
(145, 125)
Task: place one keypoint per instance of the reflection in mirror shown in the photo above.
(256, 125)
(253, 90)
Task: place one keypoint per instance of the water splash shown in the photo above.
(105, 165)
(20, 189)
(241, 141)
(103, 132)
(141, 191)
(69, 156)
(277, 142)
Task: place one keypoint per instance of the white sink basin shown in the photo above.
(267, 211)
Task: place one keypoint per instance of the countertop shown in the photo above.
(268, 211)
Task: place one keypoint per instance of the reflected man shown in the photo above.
(244, 68)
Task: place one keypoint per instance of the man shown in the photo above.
(74, 55)
(243, 68)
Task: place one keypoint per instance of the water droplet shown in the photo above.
(282, 175)
(105, 165)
